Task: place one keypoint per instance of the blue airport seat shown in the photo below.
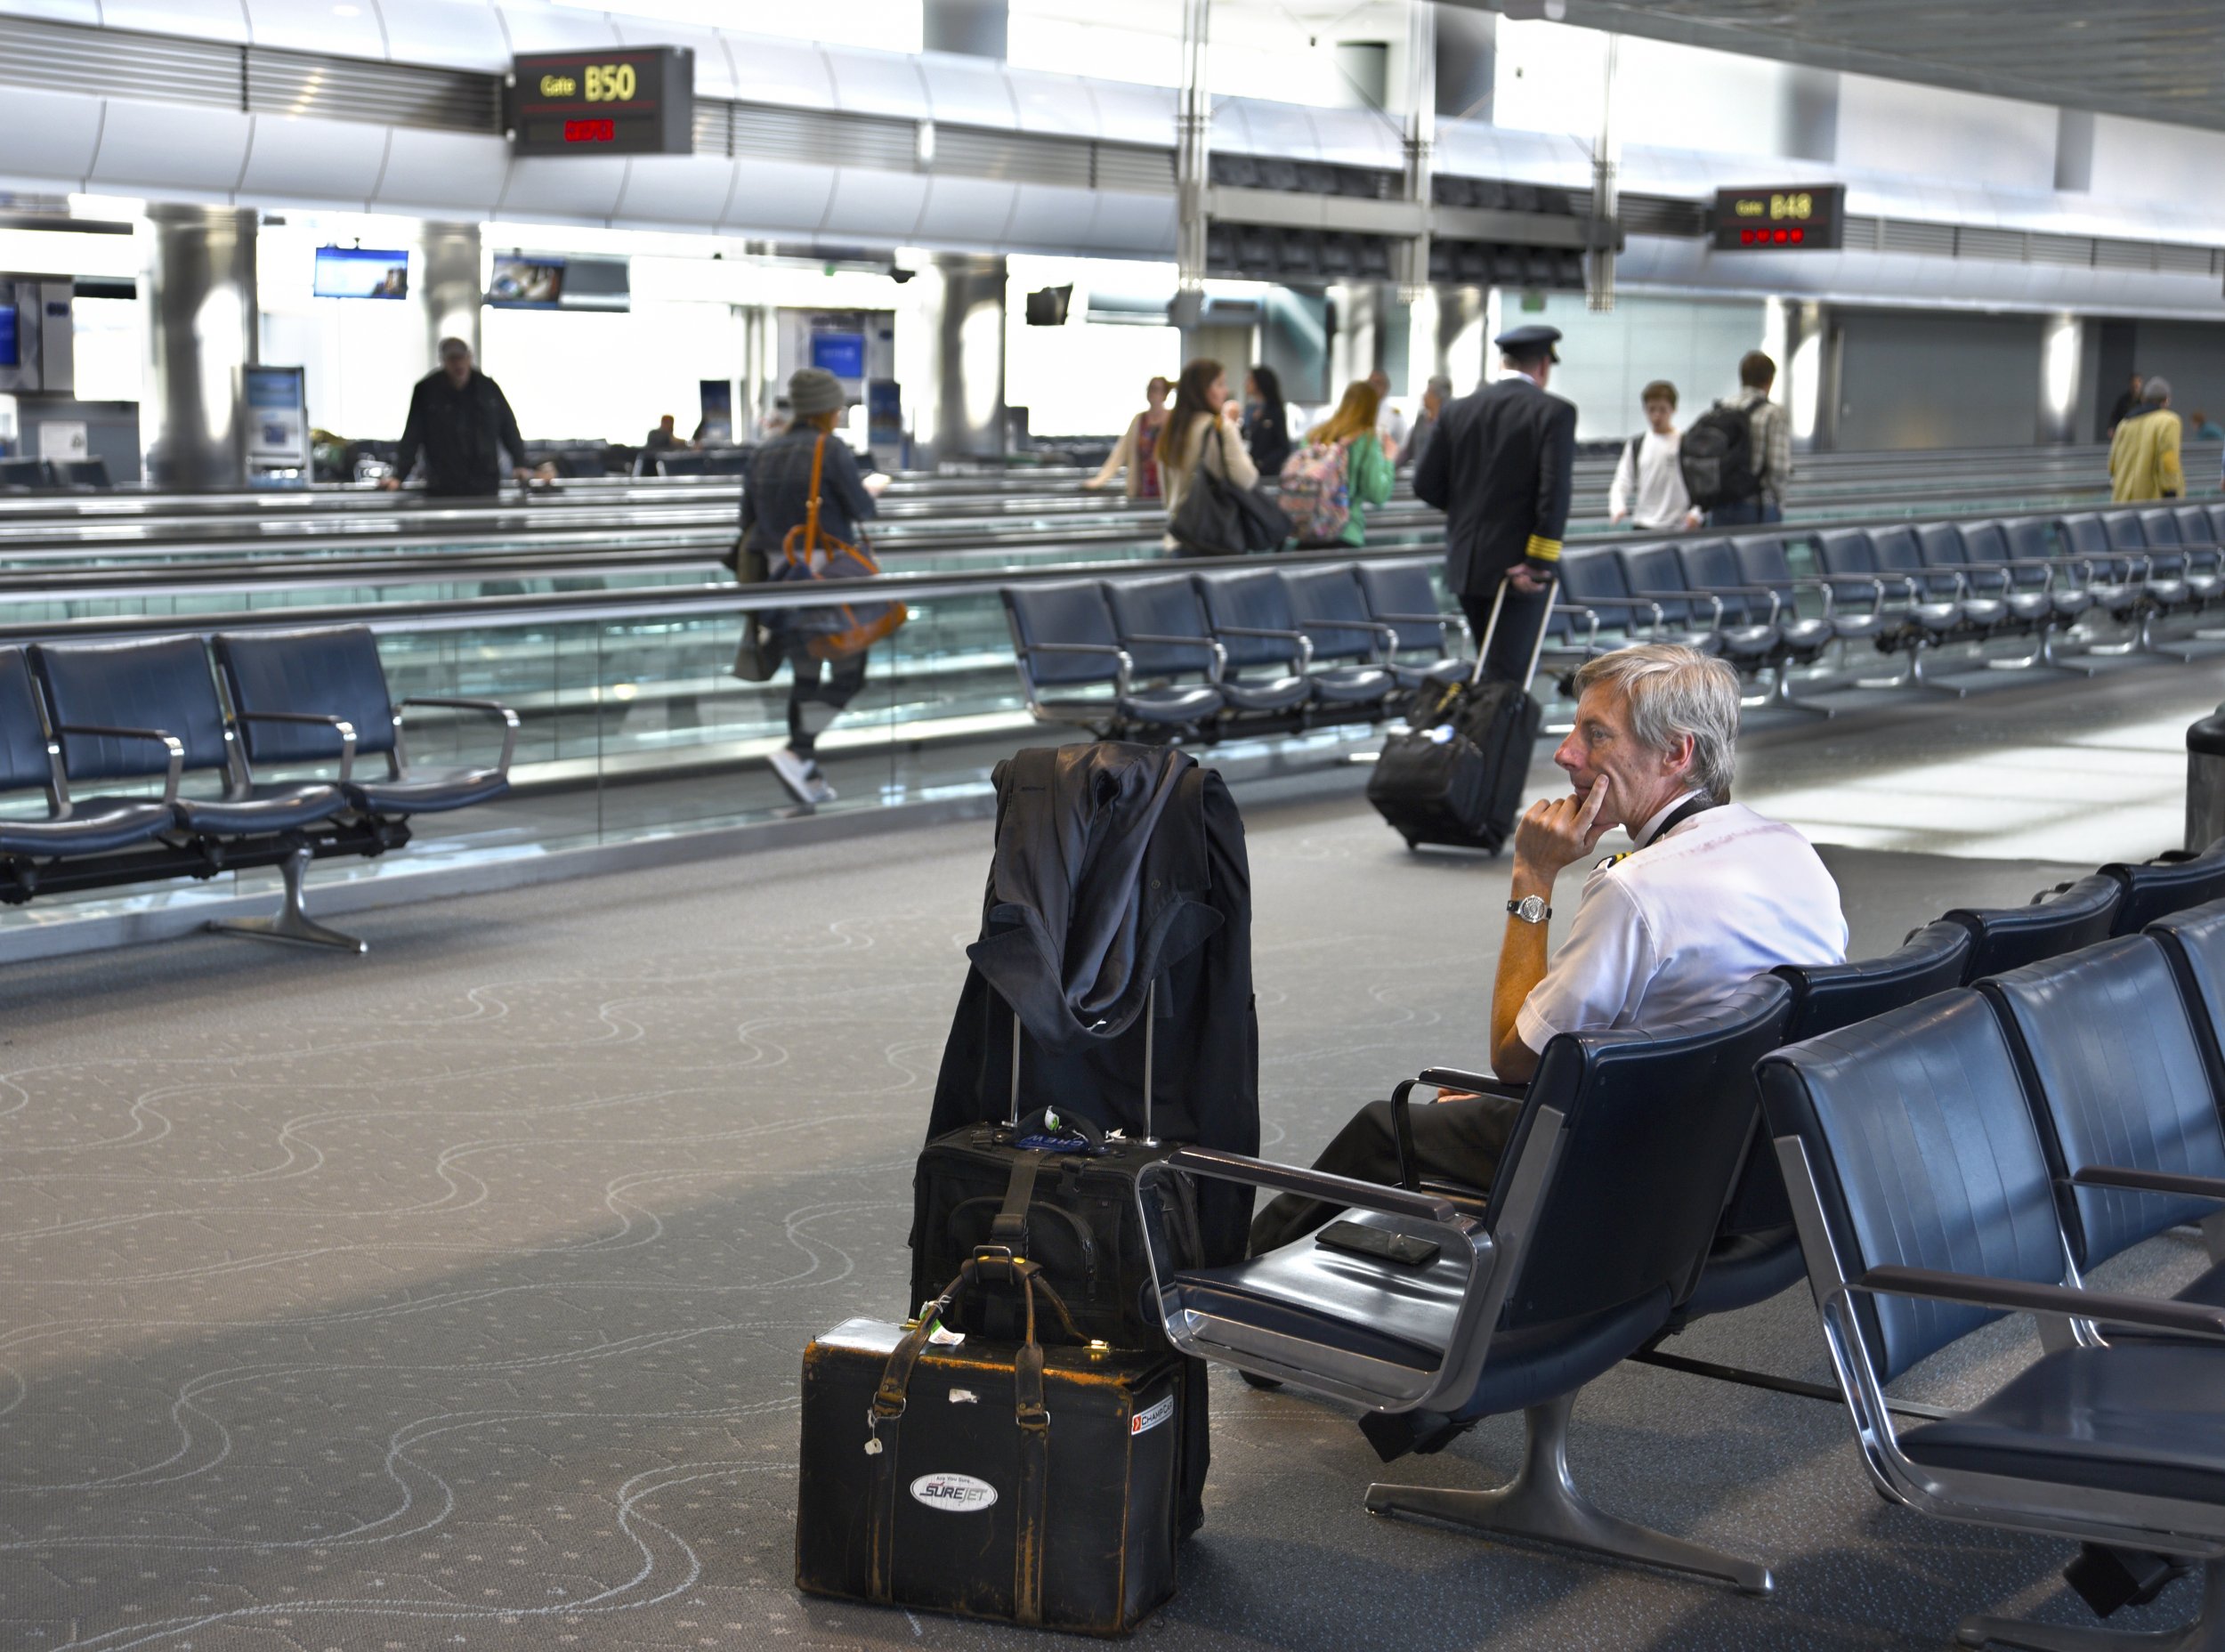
(1063, 636)
(114, 704)
(1399, 596)
(317, 695)
(30, 761)
(1162, 623)
(1253, 618)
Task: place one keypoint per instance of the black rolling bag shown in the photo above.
(1455, 778)
(1028, 1483)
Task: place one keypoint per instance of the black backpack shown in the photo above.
(1716, 457)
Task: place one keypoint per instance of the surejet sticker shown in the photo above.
(956, 1494)
(1151, 1417)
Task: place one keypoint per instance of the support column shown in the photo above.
(1194, 132)
(202, 323)
(964, 369)
(451, 292)
(1599, 288)
(1459, 339)
(1412, 260)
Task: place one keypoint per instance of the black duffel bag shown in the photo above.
(931, 1476)
(1218, 518)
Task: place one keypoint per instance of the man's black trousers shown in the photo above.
(1520, 619)
(1454, 1141)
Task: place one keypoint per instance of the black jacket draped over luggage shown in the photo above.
(1116, 865)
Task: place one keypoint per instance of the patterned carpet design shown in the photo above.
(454, 1296)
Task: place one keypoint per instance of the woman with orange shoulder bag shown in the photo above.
(800, 510)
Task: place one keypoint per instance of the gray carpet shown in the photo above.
(455, 1296)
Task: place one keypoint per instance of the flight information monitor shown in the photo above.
(1803, 217)
(617, 101)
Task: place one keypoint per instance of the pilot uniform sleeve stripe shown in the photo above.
(1540, 549)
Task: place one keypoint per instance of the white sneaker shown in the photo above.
(821, 791)
(795, 772)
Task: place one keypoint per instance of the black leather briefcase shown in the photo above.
(1030, 1485)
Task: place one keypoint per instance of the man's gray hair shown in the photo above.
(2157, 389)
(1673, 691)
(1442, 385)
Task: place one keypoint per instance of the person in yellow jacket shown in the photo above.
(2144, 453)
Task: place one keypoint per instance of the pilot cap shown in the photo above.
(1526, 344)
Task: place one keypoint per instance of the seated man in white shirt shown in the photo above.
(1712, 894)
(1648, 488)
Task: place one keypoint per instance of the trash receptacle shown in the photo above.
(2205, 782)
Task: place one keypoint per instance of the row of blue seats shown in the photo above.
(1635, 1197)
(1197, 655)
(73, 713)
(1900, 590)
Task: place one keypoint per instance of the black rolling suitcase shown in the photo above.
(1032, 1484)
(1455, 777)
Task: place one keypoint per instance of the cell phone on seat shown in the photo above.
(1361, 1239)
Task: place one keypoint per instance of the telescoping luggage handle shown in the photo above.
(1537, 649)
(884, 1420)
(1151, 1031)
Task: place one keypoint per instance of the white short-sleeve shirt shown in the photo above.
(1672, 929)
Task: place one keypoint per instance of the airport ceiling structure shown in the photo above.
(2157, 60)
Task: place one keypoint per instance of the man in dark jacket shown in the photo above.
(461, 423)
(1499, 465)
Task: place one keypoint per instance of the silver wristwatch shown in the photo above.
(1531, 909)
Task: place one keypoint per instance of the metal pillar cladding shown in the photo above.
(1193, 133)
(452, 290)
(1599, 288)
(1457, 351)
(968, 341)
(201, 331)
(1413, 256)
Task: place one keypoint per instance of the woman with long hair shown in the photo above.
(1367, 468)
(1267, 421)
(1137, 450)
(1201, 430)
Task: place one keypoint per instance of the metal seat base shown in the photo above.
(2204, 1633)
(292, 924)
(1541, 1504)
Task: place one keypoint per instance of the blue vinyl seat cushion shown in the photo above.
(426, 791)
(2146, 1418)
(277, 805)
(94, 826)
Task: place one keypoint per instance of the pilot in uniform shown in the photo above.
(1499, 466)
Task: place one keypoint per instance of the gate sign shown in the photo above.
(615, 100)
(1803, 217)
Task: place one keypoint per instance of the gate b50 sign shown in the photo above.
(638, 102)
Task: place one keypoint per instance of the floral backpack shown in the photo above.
(1315, 493)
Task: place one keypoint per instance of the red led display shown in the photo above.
(590, 132)
(1772, 238)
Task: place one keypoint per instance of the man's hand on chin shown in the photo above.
(1555, 832)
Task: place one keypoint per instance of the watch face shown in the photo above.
(1529, 909)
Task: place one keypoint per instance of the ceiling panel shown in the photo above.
(2158, 60)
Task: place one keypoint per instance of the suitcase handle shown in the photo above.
(1537, 649)
(884, 1420)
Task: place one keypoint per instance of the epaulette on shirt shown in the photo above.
(1614, 860)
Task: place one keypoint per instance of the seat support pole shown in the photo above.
(2204, 1633)
(1541, 1504)
(292, 924)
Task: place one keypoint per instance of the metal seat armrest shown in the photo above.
(1715, 620)
(2135, 1180)
(1299, 639)
(1345, 1190)
(1386, 637)
(490, 707)
(170, 743)
(345, 729)
(2021, 1296)
(1219, 655)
